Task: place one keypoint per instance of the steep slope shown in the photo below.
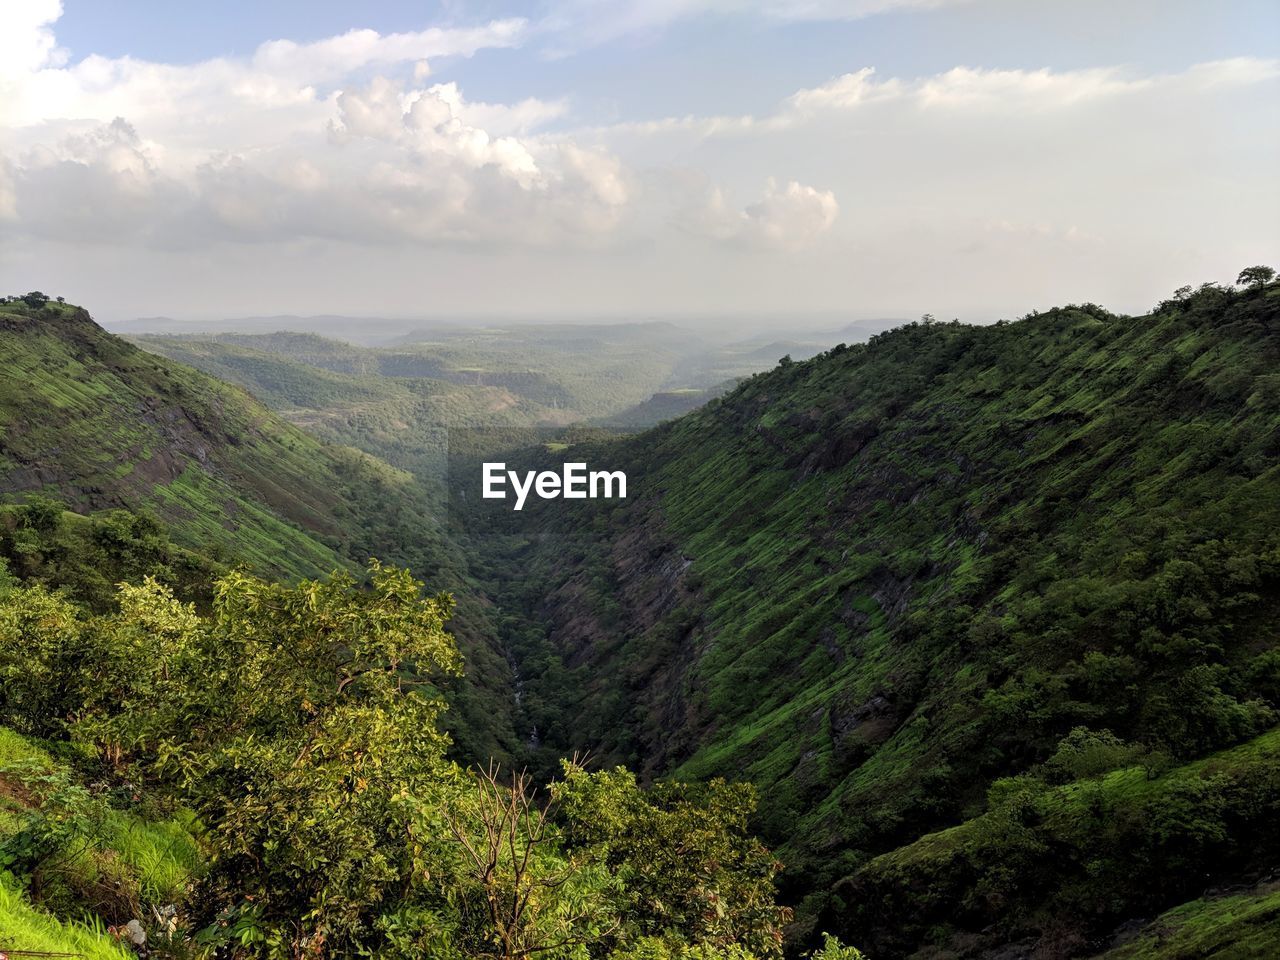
(98, 423)
(103, 424)
(879, 581)
(664, 405)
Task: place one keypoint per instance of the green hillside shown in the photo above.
(100, 423)
(407, 421)
(391, 399)
(95, 422)
(664, 405)
(988, 614)
(542, 372)
(879, 581)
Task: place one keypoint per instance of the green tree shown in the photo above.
(687, 862)
(298, 724)
(1256, 277)
(45, 661)
(42, 514)
(519, 894)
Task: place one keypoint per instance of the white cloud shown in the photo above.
(279, 76)
(1011, 92)
(285, 145)
(27, 42)
(337, 57)
(359, 155)
(789, 217)
(98, 185)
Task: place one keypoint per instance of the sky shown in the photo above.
(634, 158)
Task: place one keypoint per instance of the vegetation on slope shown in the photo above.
(1240, 926)
(988, 614)
(878, 581)
(95, 422)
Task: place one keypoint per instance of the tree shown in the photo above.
(1256, 277)
(297, 724)
(529, 899)
(42, 663)
(688, 863)
(42, 514)
(35, 299)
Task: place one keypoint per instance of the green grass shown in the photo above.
(15, 748)
(1244, 926)
(163, 856)
(25, 927)
(152, 861)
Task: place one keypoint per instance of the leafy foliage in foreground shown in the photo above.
(297, 727)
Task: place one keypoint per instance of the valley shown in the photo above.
(985, 613)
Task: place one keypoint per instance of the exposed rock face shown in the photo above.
(649, 580)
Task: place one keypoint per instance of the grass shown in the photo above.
(123, 856)
(25, 927)
(163, 855)
(1244, 926)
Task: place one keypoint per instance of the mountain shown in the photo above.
(988, 613)
(358, 330)
(526, 373)
(333, 390)
(95, 420)
(92, 420)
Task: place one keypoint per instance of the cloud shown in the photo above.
(960, 89)
(288, 145)
(297, 142)
(27, 42)
(301, 165)
(100, 185)
(337, 57)
(787, 217)
(281, 75)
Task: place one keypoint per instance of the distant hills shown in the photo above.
(386, 331)
(101, 423)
